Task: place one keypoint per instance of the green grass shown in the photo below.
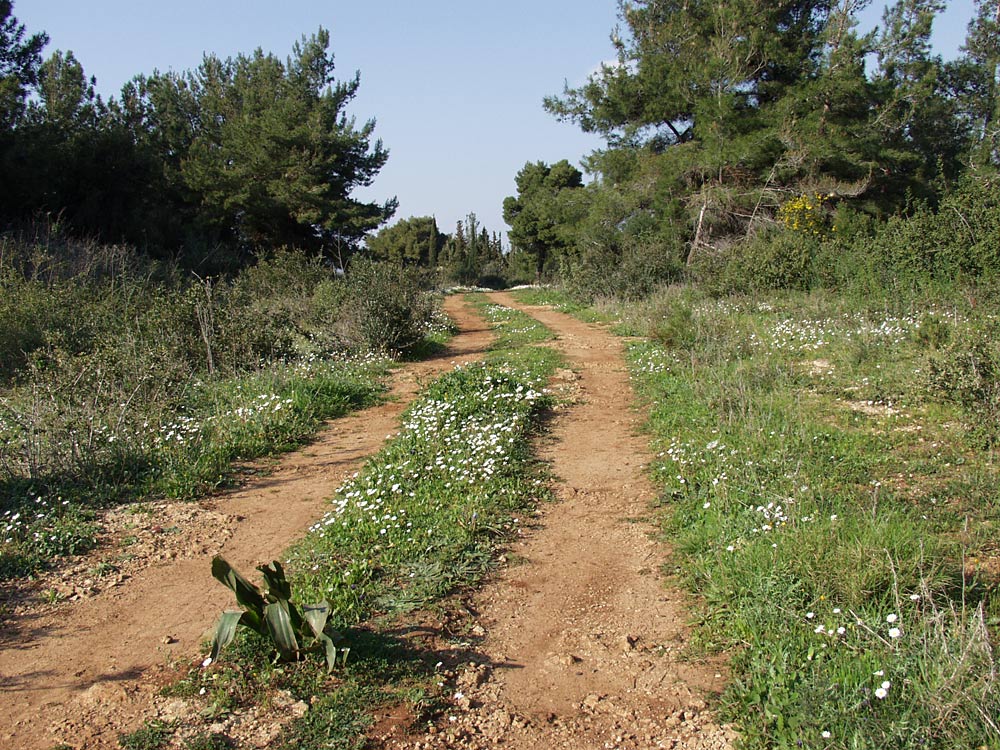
(513, 328)
(185, 453)
(818, 498)
(153, 735)
(426, 517)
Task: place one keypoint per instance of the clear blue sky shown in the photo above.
(456, 86)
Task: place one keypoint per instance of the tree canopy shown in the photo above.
(241, 154)
(20, 60)
(544, 212)
(265, 148)
(414, 241)
(716, 115)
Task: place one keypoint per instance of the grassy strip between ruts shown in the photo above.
(837, 523)
(426, 515)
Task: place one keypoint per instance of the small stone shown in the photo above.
(168, 639)
(478, 630)
(591, 701)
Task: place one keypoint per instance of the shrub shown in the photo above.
(781, 259)
(121, 382)
(673, 324)
(631, 272)
(153, 735)
(967, 372)
(907, 255)
(805, 214)
(386, 310)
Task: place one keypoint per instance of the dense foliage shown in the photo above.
(206, 166)
(759, 128)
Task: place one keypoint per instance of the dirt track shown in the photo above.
(583, 645)
(78, 673)
(581, 642)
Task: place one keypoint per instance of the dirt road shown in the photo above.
(73, 673)
(583, 646)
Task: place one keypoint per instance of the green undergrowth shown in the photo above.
(425, 517)
(56, 478)
(834, 504)
(512, 328)
(124, 379)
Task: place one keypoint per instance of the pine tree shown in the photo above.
(20, 61)
(261, 150)
(916, 117)
(542, 215)
(976, 77)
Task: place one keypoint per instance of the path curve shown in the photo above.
(75, 673)
(584, 645)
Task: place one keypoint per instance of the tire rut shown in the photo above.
(584, 645)
(80, 673)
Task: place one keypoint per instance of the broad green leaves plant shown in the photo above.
(295, 631)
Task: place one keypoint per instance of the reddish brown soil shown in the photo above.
(584, 646)
(579, 643)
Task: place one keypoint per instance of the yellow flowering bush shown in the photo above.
(804, 213)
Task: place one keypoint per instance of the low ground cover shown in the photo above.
(60, 470)
(832, 499)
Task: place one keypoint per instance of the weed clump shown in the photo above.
(967, 372)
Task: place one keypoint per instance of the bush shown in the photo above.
(924, 250)
(629, 273)
(673, 324)
(386, 309)
(782, 259)
(967, 372)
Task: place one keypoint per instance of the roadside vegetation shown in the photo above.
(829, 485)
(425, 518)
(797, 222)
(122, 380)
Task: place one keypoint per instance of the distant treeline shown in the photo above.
(472, 255)
(755, 143)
